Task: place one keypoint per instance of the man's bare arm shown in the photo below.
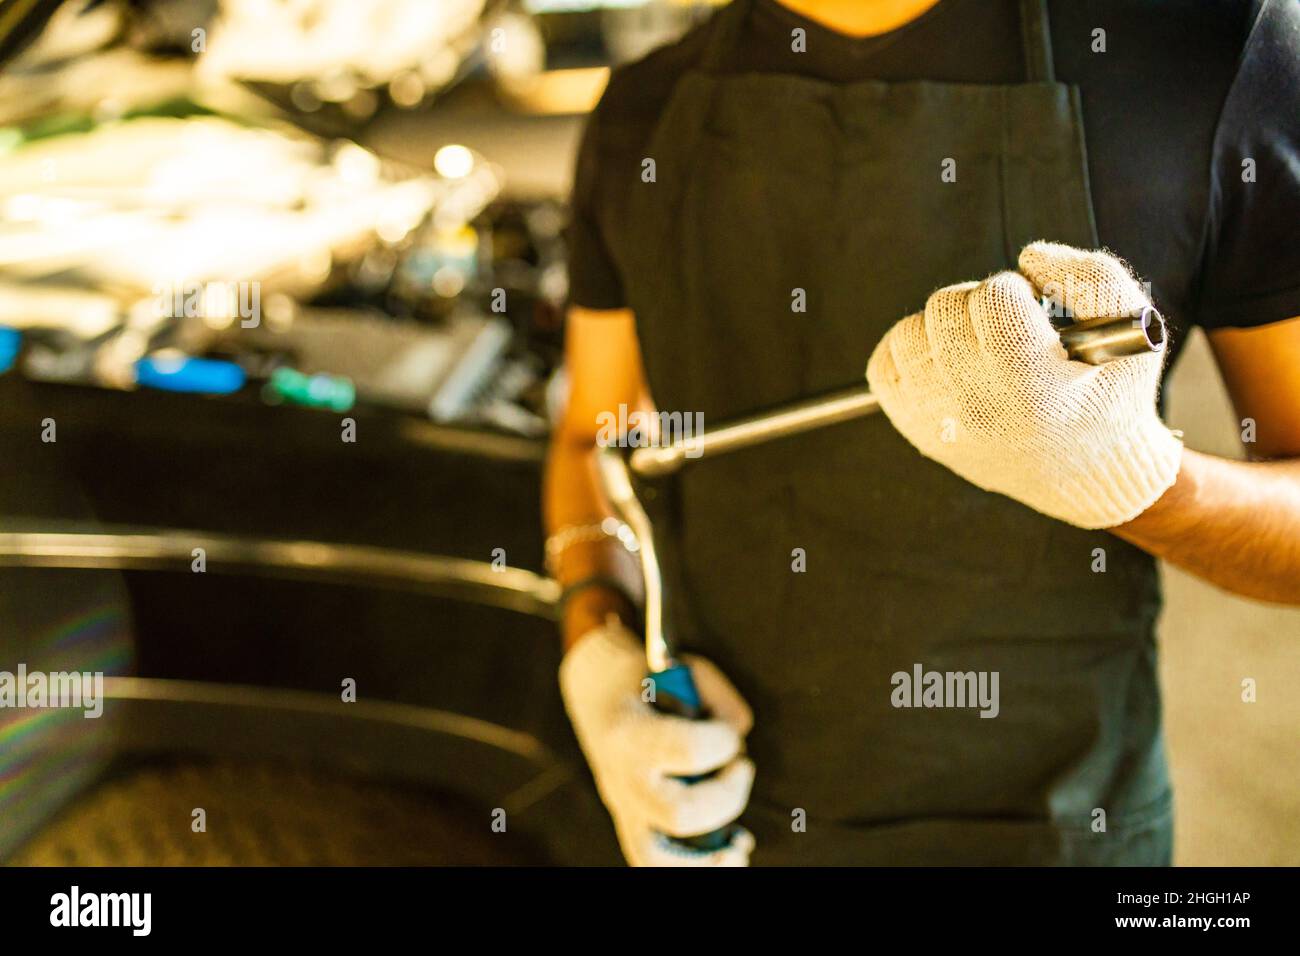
(1234, 523)
(1237, 524)
(603, 363)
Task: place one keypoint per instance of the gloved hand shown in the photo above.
(981, 383)
(635, 752)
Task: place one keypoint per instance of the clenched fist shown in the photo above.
(638, 755)
(981, 383)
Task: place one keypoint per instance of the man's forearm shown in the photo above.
(572, 499)
(1234, 523)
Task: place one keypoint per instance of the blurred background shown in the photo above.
(281, 291)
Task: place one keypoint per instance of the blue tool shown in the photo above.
(183, 373)
(11, 342)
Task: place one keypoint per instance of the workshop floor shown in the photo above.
(265, 814)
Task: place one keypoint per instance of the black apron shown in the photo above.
(768, 184)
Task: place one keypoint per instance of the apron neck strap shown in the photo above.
(723, 33)
(1034, 34)
(1037, 40)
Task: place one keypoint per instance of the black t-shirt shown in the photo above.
(1191, 116)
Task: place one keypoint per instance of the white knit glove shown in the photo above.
(635, 752)
(981, 383)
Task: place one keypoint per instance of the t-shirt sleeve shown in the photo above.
(1251, 271)
(594, 280)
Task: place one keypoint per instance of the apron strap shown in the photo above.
(722, 35)
(1037, 39)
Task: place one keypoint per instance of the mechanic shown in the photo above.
(854, 156)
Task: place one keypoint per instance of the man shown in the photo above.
(756, 206)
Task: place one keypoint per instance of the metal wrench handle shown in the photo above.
(616, 482)
(841, 406)
(1095, 341)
